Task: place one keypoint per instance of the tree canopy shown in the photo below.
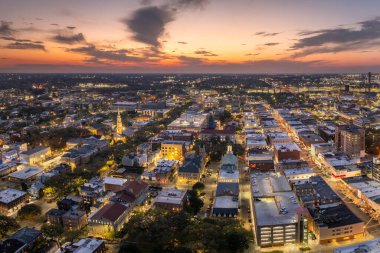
(163, 231)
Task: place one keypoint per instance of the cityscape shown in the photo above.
(189, 126)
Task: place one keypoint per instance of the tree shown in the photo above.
(195, 203)
(198, 187)
(128, 247)
(52, 231)
(162, 231)
(7, 224)
(29, 212)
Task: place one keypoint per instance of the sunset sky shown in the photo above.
(190, 36)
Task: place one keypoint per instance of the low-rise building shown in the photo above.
(192, 169)
(7, 168)
(12, 200)
(74, 220)
(114, 183)
(35, 155)
(85, 245)
(26, 174)
(331, 223)
(21, 241)
(109, 218)
(286, 151)
(171, 199)
(371, 246)
(173, 150)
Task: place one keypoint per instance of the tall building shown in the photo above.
(350, 139)
(119, 124)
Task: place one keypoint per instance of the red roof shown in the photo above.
(110, 212)
(136, 187)
(124, 196)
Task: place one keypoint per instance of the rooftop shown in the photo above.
(171, 196)
(10, 194)
(26, 173)
(288, 146)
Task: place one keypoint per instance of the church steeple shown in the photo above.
(119, 124)
(229, 149)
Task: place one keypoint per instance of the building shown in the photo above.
(85, 245)
(330, 223)
(171, 199)
(54, 216)
(114, 183)
(12, 200)
(133, 194)
(7, 168)
(192, 169)
(279, 218)
(286, 151)
(226, 200)
(190, 121)
(364, 189)
(223, 134)
(92, 190)
(277, 137)
(314, 192)
(260, 159)
(21, 241)
(27, 174)
(109, 218)
(321, 148)
(173, 150)
(74, 220)
(371, 246)
(350, 140)
(35, 155)
(309, 139)
(298, 174)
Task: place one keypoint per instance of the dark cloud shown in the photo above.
(69, 38)
(97, 55)
(5, 28)
(271, 44)
(266, 34)
(182, 42)
(71, 27)
(26, 46)
(367, 35)
(205, 53)
(186, 60)
(252, 54)
(191, 3)
(148, 23)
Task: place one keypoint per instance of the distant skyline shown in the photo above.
(190, 36)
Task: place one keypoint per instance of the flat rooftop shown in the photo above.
(270, 193)
(171, 196)
(26, 173)
(10, 194)
(291, 146)
(364, 247)
(226, 202)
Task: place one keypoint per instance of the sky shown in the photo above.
(189, 36)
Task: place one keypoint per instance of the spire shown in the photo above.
(229, 149)
(119, 124)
